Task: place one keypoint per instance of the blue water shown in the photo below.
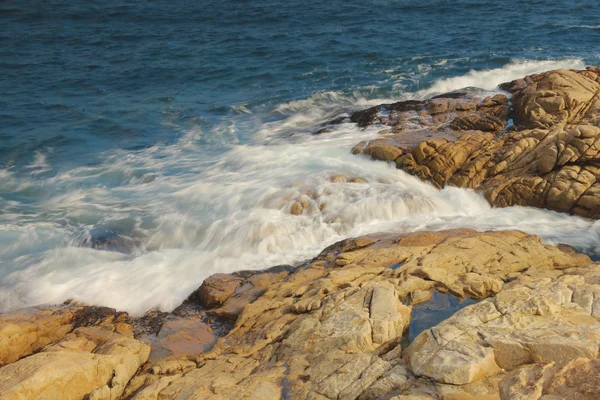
(164, 136)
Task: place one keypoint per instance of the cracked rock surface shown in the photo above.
(334, 328)
(549, 158)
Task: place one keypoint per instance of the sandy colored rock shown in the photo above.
(574, 379)
(557, 97)
(181, 337)
(532, 319)
(333, 330)
(27, 331)
(216, 289)
(549, 158)
(94, 362)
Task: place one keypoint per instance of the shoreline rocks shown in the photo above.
(549, 158)
(337, 327)
(334, 328)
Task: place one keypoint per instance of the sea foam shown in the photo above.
(185, 217)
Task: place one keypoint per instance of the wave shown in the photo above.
(579, 26)
(234, 215)
(491, 78)
(187, 213)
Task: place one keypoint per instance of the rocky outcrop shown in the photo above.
(334, 328)
(87, 362)
(549, 316)
(458, 110)
(574, 379)
(549, 158)
(27, 331)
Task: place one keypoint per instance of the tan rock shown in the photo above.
(574, 379)
(27, 331)
(549, 159)
(216, 289)
(94, 362)
(536, 320)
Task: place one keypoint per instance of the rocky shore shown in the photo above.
(521, 319)
(539, 149)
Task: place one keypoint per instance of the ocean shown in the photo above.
(145, 146)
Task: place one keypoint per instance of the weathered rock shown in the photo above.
(332, 330)
(549, 159)
(89, 362)
(27, 331)
(461, 110)
(557, 97)
(532, 319)
(575, 379)
(182, 337)
(216, 289)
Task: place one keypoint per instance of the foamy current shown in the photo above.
(169, 218)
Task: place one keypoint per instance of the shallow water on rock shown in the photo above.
(426, 315)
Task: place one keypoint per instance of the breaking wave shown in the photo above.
(143, 229)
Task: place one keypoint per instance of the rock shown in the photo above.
(420, 296)
(454, 362)
(532, 319)
(382, 150)
(461, 110)
(182, 337)
(89, 362)
(557, 97)
(549, 159)
(574, 379)
(216, 289)
(333, 330)
(27, 331)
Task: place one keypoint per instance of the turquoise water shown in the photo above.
(148, 145)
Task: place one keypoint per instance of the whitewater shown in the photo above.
(142, 229)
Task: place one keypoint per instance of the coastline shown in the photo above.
(333, 328)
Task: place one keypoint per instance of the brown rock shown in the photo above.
(332, 330)
(90, 362)
(575, 379)
(216, 289)
(549, 159)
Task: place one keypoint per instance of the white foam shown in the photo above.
(40, 164)
(191, 213)
(491, 78)
(581, 26)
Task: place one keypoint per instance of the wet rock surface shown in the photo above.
(547, 158)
